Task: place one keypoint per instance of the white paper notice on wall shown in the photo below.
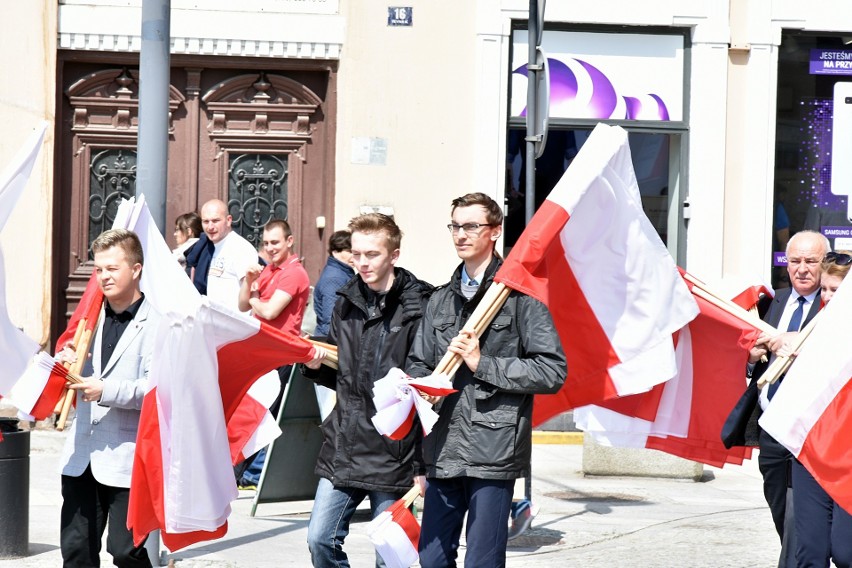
(841, 142)
(369, 151)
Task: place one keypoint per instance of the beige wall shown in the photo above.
(414, 87)
(27, 95)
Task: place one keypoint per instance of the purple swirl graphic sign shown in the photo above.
(578, 89)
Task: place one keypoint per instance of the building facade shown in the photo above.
(318, 110)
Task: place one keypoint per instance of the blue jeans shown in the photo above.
(329, 524)
(251, 474)
(486, 502)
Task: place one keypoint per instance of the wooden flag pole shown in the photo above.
(409, 497)
(78, 333)
(477, 323)
(330, 358)
(781, 363)
(700, 289)
(81, 347)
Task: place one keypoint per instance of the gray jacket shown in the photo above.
(104, 433)
(484, 430)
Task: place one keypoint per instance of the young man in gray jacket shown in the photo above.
(98, 456)
(482, 441)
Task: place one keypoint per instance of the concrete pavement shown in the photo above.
(720, 521)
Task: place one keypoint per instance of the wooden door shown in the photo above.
(258, 139)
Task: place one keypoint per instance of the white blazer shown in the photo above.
(103, 433)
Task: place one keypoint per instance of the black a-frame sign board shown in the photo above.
(288, 473)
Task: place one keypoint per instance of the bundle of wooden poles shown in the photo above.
(478, 322)
(781, 363)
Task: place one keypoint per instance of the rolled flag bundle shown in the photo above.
(395, 533)
(397, 399)
(41, 386)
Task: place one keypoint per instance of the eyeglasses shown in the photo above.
(838, 258)
(467, 227)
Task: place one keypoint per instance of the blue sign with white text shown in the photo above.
(400, 15)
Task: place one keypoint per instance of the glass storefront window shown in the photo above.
(813, 142)
(634, 78)
(651, 154)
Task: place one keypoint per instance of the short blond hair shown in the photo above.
(126, 240)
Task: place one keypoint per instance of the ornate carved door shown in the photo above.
(259, 140)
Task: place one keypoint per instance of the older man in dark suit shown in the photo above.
(789, 311)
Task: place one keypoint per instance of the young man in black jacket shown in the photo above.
(373, 324)
(482, 441)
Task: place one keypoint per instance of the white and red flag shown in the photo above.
(16, 348)
(811, 412)
(592, 256)
(395, 533)
(183, 481)
(397, 399)
(42, 386)
(198, 416)
(684, 416)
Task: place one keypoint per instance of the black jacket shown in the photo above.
(484, 430)
(741, 427)
(373, 334)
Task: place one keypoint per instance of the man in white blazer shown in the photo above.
(98, 455)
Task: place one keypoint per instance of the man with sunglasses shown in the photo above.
(481, 442)
(790, 310)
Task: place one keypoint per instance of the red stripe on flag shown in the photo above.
(538, 267)
(243, 424)
(825, 452)
(405, 427)
(242, 362)
(643, 405)
(148, 481)
(89, 308)
(49, 397)
(720, 344)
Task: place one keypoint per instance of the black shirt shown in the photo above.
(114, 326)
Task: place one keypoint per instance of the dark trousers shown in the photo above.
(88, 508)
(823, 529)
(774, 461)
(486, 502)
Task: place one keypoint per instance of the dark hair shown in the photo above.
(339, 241)
(280, 224)
(493, 211)
(124, 239)
(189, 222)
(375, 223)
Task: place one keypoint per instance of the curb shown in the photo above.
(544, 437)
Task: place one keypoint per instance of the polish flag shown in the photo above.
(684, 416)
(198, 417)
(592, 256)
(183, 482)
(396, 534)
(397, 399)
(16, 348)
(810, 412)
(252, 427)
(40, 388)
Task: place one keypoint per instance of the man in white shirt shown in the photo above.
(232, 255)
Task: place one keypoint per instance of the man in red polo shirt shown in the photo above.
(278, 292)
(278, 295)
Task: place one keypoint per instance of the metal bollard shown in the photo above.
(14, 489)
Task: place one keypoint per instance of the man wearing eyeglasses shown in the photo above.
(790, 310)
(481, 442)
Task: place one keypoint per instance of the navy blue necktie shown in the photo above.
(795, 323)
